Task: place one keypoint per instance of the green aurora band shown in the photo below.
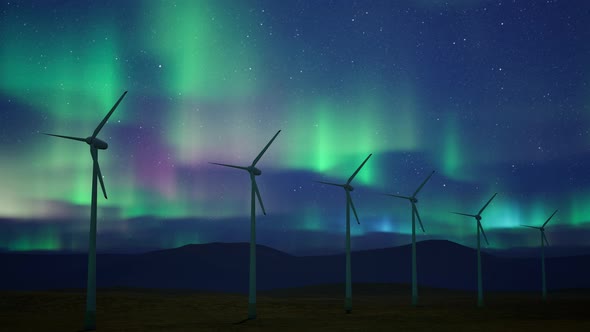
(206, 71)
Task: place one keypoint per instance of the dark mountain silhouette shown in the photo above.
(224, 267)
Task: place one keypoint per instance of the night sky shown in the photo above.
(492, 95)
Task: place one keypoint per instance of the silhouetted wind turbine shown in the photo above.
(95, 145)
(413, 200)
(348, 188)
(543, 241)
(253, 171)
(479, 227)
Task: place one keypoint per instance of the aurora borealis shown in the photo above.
(493, 95)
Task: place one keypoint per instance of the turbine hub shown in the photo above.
(413, 200)
(478, 217)
(97, 143)
(348, 187)
(254, 170)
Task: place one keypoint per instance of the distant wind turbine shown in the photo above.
(479, 227)
(413, 200)
(95, 145)
(253, 171)
(348, 188)
(543, 241)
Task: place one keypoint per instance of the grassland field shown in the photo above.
(376, 307)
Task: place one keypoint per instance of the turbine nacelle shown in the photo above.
(413, 200)
(253, 170)
(97, 143)
(349, 204)
(478, 217)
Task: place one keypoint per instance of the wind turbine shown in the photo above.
(253, 171)
(479, 227)
(348, 188)
(95, 145)
(543, 241)
(413, 200)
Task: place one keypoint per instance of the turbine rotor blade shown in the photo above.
(106, 118)
(545, 238)
(331, 184)
(68, 137)
(483, 232)
(264, 150)
(104, 192)
(398, 196)
(531, 226)
(549, 218)
(352, 206)
(232, 166)
(358, 169)
(465, 214)
(422, 185)
(258, 195)
(415, 210)
(94, 154)
(485, 206)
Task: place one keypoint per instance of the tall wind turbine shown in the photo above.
(253, 171)
(413, 200)
(479, 227)
(95, 145)
(543, 241)
(348, 188)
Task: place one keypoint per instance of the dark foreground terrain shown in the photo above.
(376, 307)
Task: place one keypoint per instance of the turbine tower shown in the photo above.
(479, 227)
(348, 188)
(95, 145)
(253, 171)
(543, 241)
(413, 200)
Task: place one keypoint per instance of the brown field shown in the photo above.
(376, 307)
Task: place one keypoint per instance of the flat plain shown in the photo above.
(376, 307)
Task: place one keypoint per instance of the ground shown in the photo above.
(376, 307)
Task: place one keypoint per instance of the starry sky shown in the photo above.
(492, 95)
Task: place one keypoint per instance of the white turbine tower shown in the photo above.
(479, 227)
(543, 241)
(253, 171)
(95, 145)
(413, 200)
(347, 189)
